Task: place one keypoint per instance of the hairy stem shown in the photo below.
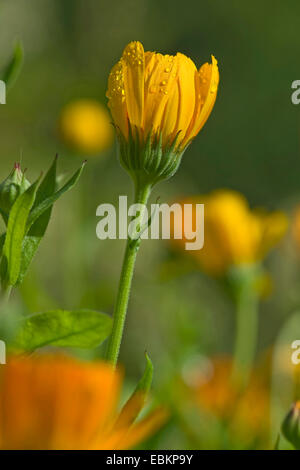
(119, 316)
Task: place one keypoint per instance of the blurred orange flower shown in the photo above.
(57, 402)
(85, 126)
(246, 412)
(233, 233)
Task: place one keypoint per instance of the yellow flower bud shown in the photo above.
(159, 103)
(85, 126)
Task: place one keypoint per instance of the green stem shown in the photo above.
(246, 333)
(141, 197)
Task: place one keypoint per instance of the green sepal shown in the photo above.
(147, 160)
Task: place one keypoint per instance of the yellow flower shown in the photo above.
(85, 126)
(233, 233)
(162, 101)
(56, 402)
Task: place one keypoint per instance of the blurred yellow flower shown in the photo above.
(56, 402)
(246, 412)
(161, 94)
(233, 233)
(85, 126)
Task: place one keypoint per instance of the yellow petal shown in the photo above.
(160, 77)
(171, 113)
(133, 68)
(116, 98)
(207, 87)
(187, 96)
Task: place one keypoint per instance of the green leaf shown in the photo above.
(16, 229)
(46, 189)
(49, 201)
(13, 68)
(4, 216)
(29, 247)
(64, 328)
(145, 382)
(136, 402)
(37, 231)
